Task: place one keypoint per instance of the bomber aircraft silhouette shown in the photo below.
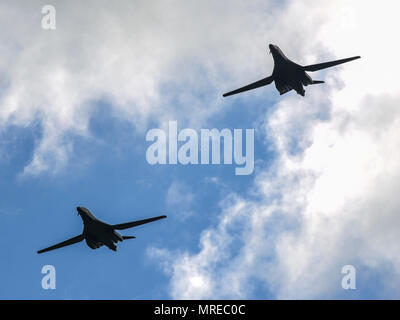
(97, 233)
(288, 75)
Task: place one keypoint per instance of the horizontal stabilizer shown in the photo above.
(128, 237)
(64, 243)
(317, 81)
(254, 85)
(132, 224)
(324, 65)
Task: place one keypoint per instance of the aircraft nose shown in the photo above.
(271, 47)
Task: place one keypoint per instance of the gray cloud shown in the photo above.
(151, 61)
(334, 200)
(330, 196)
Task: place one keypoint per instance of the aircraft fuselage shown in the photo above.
(287, 74)
(98, 233)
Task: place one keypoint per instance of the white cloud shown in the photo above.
(179, 200)
(331, 196)
(151, 61)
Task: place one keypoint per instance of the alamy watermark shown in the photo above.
(194, 148)
(49, 280)
(49, 17)
(349, 280)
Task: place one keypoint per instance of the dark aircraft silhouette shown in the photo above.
(97, 233)
(289, 75)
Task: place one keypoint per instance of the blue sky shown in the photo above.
(117, 184)
(76, 104)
